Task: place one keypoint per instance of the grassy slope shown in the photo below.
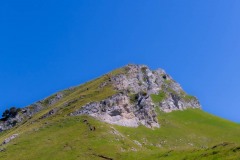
(184, 134)
(188, 134)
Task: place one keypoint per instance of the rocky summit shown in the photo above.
(141, 92)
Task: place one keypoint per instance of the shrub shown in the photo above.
(10, 113)
(143, 93)
(133, 98)
(164, 76)
(144, 70)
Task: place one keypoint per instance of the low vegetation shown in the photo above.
(183, 135)
(157, 98)
(10, 113)
(188, 134)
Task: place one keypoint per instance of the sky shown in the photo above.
(47, 46)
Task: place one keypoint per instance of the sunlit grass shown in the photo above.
(188, 134)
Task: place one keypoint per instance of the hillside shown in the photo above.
(130, 113)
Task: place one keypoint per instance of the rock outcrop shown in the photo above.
(7, 140)
(134, 105)
(119, 110)
(29, 111)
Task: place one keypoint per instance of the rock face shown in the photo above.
(135, 104)
(119, 110)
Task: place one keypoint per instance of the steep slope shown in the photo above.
(185, 134)
(128, 96)
(143, 114)
(138, 89)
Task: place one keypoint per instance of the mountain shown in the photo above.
(129, 113)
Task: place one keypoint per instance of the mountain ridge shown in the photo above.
(136, 83)
(157, 122)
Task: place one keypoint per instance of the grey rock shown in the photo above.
(118, 110)
(56, 98)
(140, 78)
(140, 81)
(2, 149)
(7, 140)
(31, 110)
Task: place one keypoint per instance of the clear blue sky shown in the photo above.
(47, 46)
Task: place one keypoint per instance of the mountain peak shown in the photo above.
(129, 96)
(140, 92)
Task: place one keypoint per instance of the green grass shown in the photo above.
(168, 82)
(157, 98)
(73, 99)
(187, 97)
(186, 135)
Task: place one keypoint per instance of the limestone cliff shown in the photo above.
(140, 92)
